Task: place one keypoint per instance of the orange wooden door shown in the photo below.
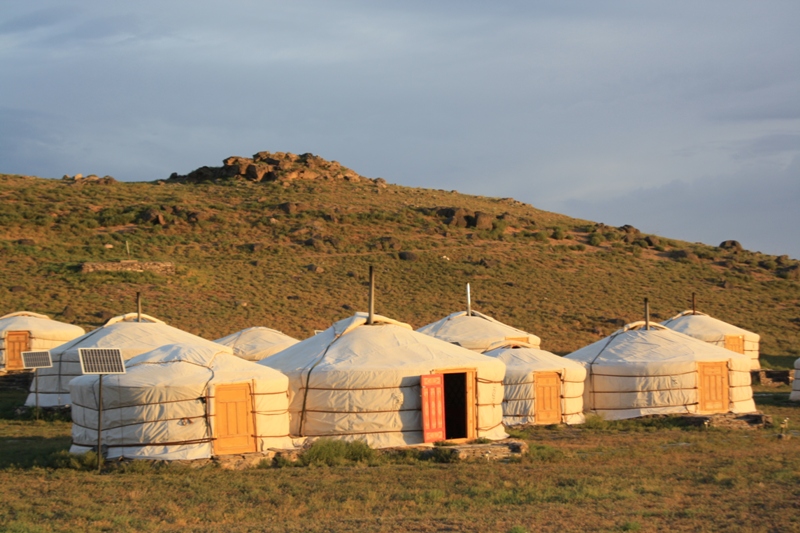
(547, 398)
(734, 343)
(234, 424)
(16, 343)
(432, 386)
(713, 381)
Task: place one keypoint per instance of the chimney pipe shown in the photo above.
(371, 316)
(694, 304)
(646, 314)
(138, 307)
(469, 302)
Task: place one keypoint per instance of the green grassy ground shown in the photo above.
(570, 290)
(245, 262)
(645, 475)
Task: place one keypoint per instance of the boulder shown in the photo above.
(457, 216)
(652, 240)
(292, 208)
(731, 245)
(315, 269)
(685, 255)
(152, 216)
(627, 228)
(407, 256)
(483, 221)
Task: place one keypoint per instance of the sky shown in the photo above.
(680, 118)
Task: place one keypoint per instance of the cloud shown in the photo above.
(757, 208)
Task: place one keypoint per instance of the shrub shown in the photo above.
(595, 239)
(559, 233)
(541, 236)
(332, 452)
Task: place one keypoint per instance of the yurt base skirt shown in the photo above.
(747, 406)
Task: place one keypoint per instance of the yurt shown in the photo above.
(795, 395)
(24, 331)
(715, 331)
(476, 331)
(387, 385)
(254, 344)
(638, 371)
(183, 401)
(134, 334)
(540, 387)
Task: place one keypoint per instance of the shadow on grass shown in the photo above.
(774, 399)
(28, 452)
(777, 362)
(12, 407)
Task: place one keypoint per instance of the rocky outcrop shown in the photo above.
(274, 166)
(465, 218)
(734, 246)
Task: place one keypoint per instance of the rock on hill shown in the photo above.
(272, 166)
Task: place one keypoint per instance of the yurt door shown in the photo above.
(234, 419)
(713, 387)
(735, 343)
(547, 397)
(432, 407)
(16, 343)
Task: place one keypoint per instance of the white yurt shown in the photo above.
(638, 371)
(126, 332)
(540, 387)
(387, 385)
(715, 331)
(476, 331)
(25, 331)
(795, 395)
(254, 344)
(183, 401)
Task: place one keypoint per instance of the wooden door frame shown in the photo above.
(251, 419)
(701, 389)
(27, 348)
(472, 400)
(560, 397)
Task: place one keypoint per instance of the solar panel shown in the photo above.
(101, 361)
(39, 359)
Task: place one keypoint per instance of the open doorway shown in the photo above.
(459, 404)
(448, 405)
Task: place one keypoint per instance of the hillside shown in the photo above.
(285, 241)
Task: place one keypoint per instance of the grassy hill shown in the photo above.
(288, 246)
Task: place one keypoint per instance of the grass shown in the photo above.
(246, 249)
(646, 475)
(533, 270)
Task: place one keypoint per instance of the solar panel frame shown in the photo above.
(36, 359)
(101, 361)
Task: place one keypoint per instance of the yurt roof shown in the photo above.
(169, 370)
(651, 348)
(707, 328)
(256, 343)
(522, 357)
(381, 354)
(133, 337)
(476, 331)
(40, 326)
